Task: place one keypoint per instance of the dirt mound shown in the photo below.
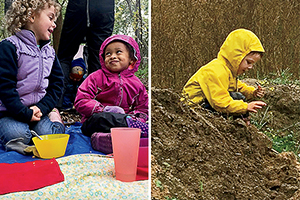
(199, 155)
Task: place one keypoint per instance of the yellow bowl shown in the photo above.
(52, 145)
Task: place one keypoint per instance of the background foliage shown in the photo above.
(188, 34)
(131, 18)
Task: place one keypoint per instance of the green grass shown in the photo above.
(286, 143)
(142, 72)
(170, 198)
(284, 140)
(159, 185)
(283, 78)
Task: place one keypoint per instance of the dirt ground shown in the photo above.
(199, 155)
(70, 116)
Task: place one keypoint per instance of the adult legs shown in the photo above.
(7, 5)
(100, 27)
(72, 35)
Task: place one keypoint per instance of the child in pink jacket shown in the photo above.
(113, 96)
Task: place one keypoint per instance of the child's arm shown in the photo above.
(8, 81)
(85, 102)
(142, 105)
(54, 89)
(250, 91)
(215, 88)
(246, 90)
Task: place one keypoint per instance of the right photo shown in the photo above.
(225, 100)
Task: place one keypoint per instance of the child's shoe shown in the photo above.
(54, 116)
(102, 142)
(16, 145)
(132, 123)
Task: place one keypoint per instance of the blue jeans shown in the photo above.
(11, 129)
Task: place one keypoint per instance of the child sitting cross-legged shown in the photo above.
(31, 78)
(113, 96)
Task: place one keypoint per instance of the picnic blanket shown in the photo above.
(88, 174)
(29, 175)
(78, 144)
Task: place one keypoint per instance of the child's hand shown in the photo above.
(254, 105)
(114, 109)
(36, 115)
(259, 92)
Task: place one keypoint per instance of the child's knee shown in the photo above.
(237, 96)
(24, 136)
(57, 128)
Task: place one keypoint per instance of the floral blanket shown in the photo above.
(87, 176)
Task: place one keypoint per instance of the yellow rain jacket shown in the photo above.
(216, 79)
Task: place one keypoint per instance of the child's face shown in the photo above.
(248, 62)
(117, 57)
(43, 23)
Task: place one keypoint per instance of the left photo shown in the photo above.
(74, 99)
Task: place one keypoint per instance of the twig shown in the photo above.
(264, 115)
(207, 122)
(290, 126)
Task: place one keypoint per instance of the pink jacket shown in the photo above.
(104, 88)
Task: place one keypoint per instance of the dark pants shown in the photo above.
(7, 5)
(103, 122)
(235, 96)
(94, 24)
(70, 95)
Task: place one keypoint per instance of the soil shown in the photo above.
(196, 154)
(70, 116)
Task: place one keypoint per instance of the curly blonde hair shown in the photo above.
(21, 10)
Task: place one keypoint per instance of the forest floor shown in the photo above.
(70, 116)
(196, 154)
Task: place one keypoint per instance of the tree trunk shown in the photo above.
(57, 32)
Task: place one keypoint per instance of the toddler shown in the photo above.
(113, 96)
(215, 86)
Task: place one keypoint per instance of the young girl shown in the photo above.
(113, 96)
(215, 86)
(30, 74)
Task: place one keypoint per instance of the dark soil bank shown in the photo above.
(199, 155)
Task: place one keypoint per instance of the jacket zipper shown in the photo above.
(121, 89)
(40, 75)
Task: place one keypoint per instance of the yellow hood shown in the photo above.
(237, 45)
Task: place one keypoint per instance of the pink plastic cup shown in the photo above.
(125, 142)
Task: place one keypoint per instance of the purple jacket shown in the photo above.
(32, 83)
(104, 88)
(29, 75)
